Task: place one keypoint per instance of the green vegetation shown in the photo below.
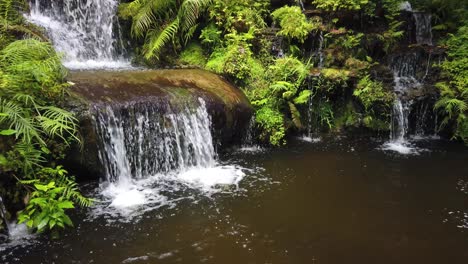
(453, 103)
(294, 24)
(34, 130)
(230, 38)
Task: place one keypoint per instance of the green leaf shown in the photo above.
(7, 132)
(43, 223)
(66, 205)
(67, 220)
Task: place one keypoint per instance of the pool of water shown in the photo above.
(331, 201)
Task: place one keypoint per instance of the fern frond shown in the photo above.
(157, 40)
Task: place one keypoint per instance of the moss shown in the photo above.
(193, 55)
(339, 75)
(346, 117)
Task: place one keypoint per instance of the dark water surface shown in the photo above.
(336, 201)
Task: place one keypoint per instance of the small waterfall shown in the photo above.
(249, 143)
(399, 126)
(310, 132)
(249, 134)
(3, 222)
(406, 6)
(148, 148)
(423, 28)
(139, 142)
(301, 5)
(404, 69)
(320, 50)
(86, 31)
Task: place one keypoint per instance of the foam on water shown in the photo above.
(212, 179)
(251, 148)
(19, 236)
(402, 147)
(310, 139)
(98, 65)
(128, 200)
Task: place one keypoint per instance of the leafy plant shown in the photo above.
(334, 5)
(163, 22)
(294, 24)
(49, 201)
(453, 102)
(193, 55)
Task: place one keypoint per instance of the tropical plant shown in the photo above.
(334, 5)
(453, 102)
(294, 24)
(49, 201)
(31, 84)
(161, 23)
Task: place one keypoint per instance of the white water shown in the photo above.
(145, 154)
(85, 31)
(423, 28)
(406, 6)
(19, 236)
(404, 71)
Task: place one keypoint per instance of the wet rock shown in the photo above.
(229, 109)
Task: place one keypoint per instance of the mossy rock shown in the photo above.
(228, 107)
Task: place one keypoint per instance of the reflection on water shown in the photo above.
(334, 201)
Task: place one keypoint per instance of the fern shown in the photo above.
(162, 22)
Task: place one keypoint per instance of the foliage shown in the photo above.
(234, 60)
(272, 124)
(194, 55)
(334, 5)
(163, 22)
(294, 24)
(10, 12)
(377, 103)
(239, 15)
(31, 124)
(50, 199)
(453, 102)
(372, 94)
(211, 36)
(277, 102)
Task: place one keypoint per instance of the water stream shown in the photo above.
(405, 70)
(86, 32)
(143, 145)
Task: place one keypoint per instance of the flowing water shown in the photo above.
(142, 148)
(423, 28)
(336, 201)
(85, 31)
(405, 68)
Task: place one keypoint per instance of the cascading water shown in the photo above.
(404, 70)
(301, 5)
(139, 142)
(310, 137)
(3, 222)
(85, 31)
(139, 146)
(423, 28)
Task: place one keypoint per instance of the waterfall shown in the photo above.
(3, 222)
(309, 136)
(85, 31)
(139, 142)
(423, 28)
(144, 144)
(320, 50)
(399, 125)
(404, 68)
(301, 5)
